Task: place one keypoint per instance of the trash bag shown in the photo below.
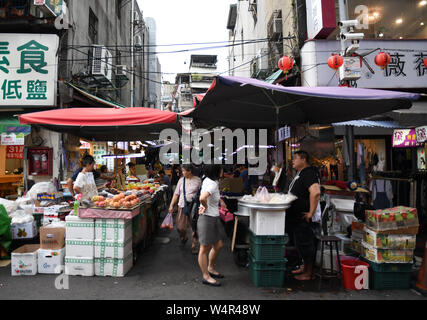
(167, 222)
(5, 230)
(9, 206)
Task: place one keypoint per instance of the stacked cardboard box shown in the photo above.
(80, 239)
(52, 249)
(113, 247)
(357, 236)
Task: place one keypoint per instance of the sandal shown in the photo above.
(216, 276)
(298, 271)
(214, 284)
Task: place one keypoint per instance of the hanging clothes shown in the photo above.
(382, 194)
(345, 153)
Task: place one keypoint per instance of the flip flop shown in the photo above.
(215, 284)
(216, 276)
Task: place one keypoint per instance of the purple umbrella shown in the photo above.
(251, 103)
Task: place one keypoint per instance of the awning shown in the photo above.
(105, 124)
(94, 98)
(413, 117)
(250, 103)
(369, 123)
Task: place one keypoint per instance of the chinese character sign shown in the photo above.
(99, 149)
(15, 152)
(405, 138)
(421, 133)
(28, 69)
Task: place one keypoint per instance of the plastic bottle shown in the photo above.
(76, 206)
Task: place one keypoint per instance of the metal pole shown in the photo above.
(132, 53)
(349, 131)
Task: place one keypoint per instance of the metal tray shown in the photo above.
(264, 206)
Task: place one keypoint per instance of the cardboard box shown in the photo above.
(51, 261)
(24, 260)
(356, 246)
(113, 229)
(234, 185)
(78, 228)
(113, 267)
(392, 219)
(52, 238)
(387, 255)
(359, 226)
(79, 266)
(113, 249)
(53, 216)
(389, 241)
(79, 247)
(357, 235)
(24, 230)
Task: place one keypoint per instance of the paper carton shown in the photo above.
(52, 238)
(24, 260)
(392, 218)
(78, 228)
(387, 255)
(79, 266)
(79, 247)
(389, 241)
(51, 261)
(24, 230)
(113, 267)
(113, 249)
(113, 229)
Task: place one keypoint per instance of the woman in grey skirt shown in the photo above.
(209, 227)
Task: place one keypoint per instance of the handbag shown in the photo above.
(225, 215)
(187, 204)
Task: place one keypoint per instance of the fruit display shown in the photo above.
(387, 255)
(389, 241)
(115, 199)
(151, 186)
(392, 219)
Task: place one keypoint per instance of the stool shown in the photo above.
(329, 240)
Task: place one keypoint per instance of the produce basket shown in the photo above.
(267, 247)
(267, 273)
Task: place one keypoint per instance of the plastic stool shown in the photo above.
(329, 240)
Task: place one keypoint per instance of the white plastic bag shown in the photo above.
(20, 217)
(262, 195)
(10, 206)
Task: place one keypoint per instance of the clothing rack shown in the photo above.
(412, 188)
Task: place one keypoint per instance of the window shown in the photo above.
(93, 27)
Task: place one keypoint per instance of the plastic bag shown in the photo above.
(280, 198)
(5, 230)
(168, 222)
(20, 217)
(262, 195)
(41, 187)
(10, 206)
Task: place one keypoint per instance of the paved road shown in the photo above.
(166, 271)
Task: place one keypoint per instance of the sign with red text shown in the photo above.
(405, 138)
(15, 152)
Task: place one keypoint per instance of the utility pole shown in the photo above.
(132, 69)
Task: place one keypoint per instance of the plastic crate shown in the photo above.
(267, 273)
(388, 276)
(268, 247)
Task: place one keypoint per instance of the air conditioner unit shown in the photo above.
(122, 72)
(263, 59)
(102, 63)
(276, 29)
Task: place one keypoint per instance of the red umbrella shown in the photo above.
(105, 123)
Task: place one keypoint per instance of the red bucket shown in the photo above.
(349, 272)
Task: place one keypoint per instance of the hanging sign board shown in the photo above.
(405, 138)
(15, 152)
(321, 18)
(421, 133)
(284, 133)
(50, 7)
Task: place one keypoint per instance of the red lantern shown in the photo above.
(425, 62)
(286, 63)
(382, 60)
(335, 61)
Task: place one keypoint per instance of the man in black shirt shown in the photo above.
(306, 187)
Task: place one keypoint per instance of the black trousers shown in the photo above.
(306, 240)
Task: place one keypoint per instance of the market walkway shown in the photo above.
(166, 271)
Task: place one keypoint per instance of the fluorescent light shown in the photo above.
(399, 21)
(400, 38)
(422, 23)
(122, 156)
(423, 3)
(381, 35)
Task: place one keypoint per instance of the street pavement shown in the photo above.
(167, 271)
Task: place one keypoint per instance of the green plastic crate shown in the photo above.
(267, 273)
(388, 276)
(268, 247)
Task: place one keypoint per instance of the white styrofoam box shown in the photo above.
(24, 260)
(113, 267)
(113, 229)
(112, 249)
(78, 228)
(267, 223)
(51, 261)
(79, 247)
(24, 230)
(79, 266)
(343, 205)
